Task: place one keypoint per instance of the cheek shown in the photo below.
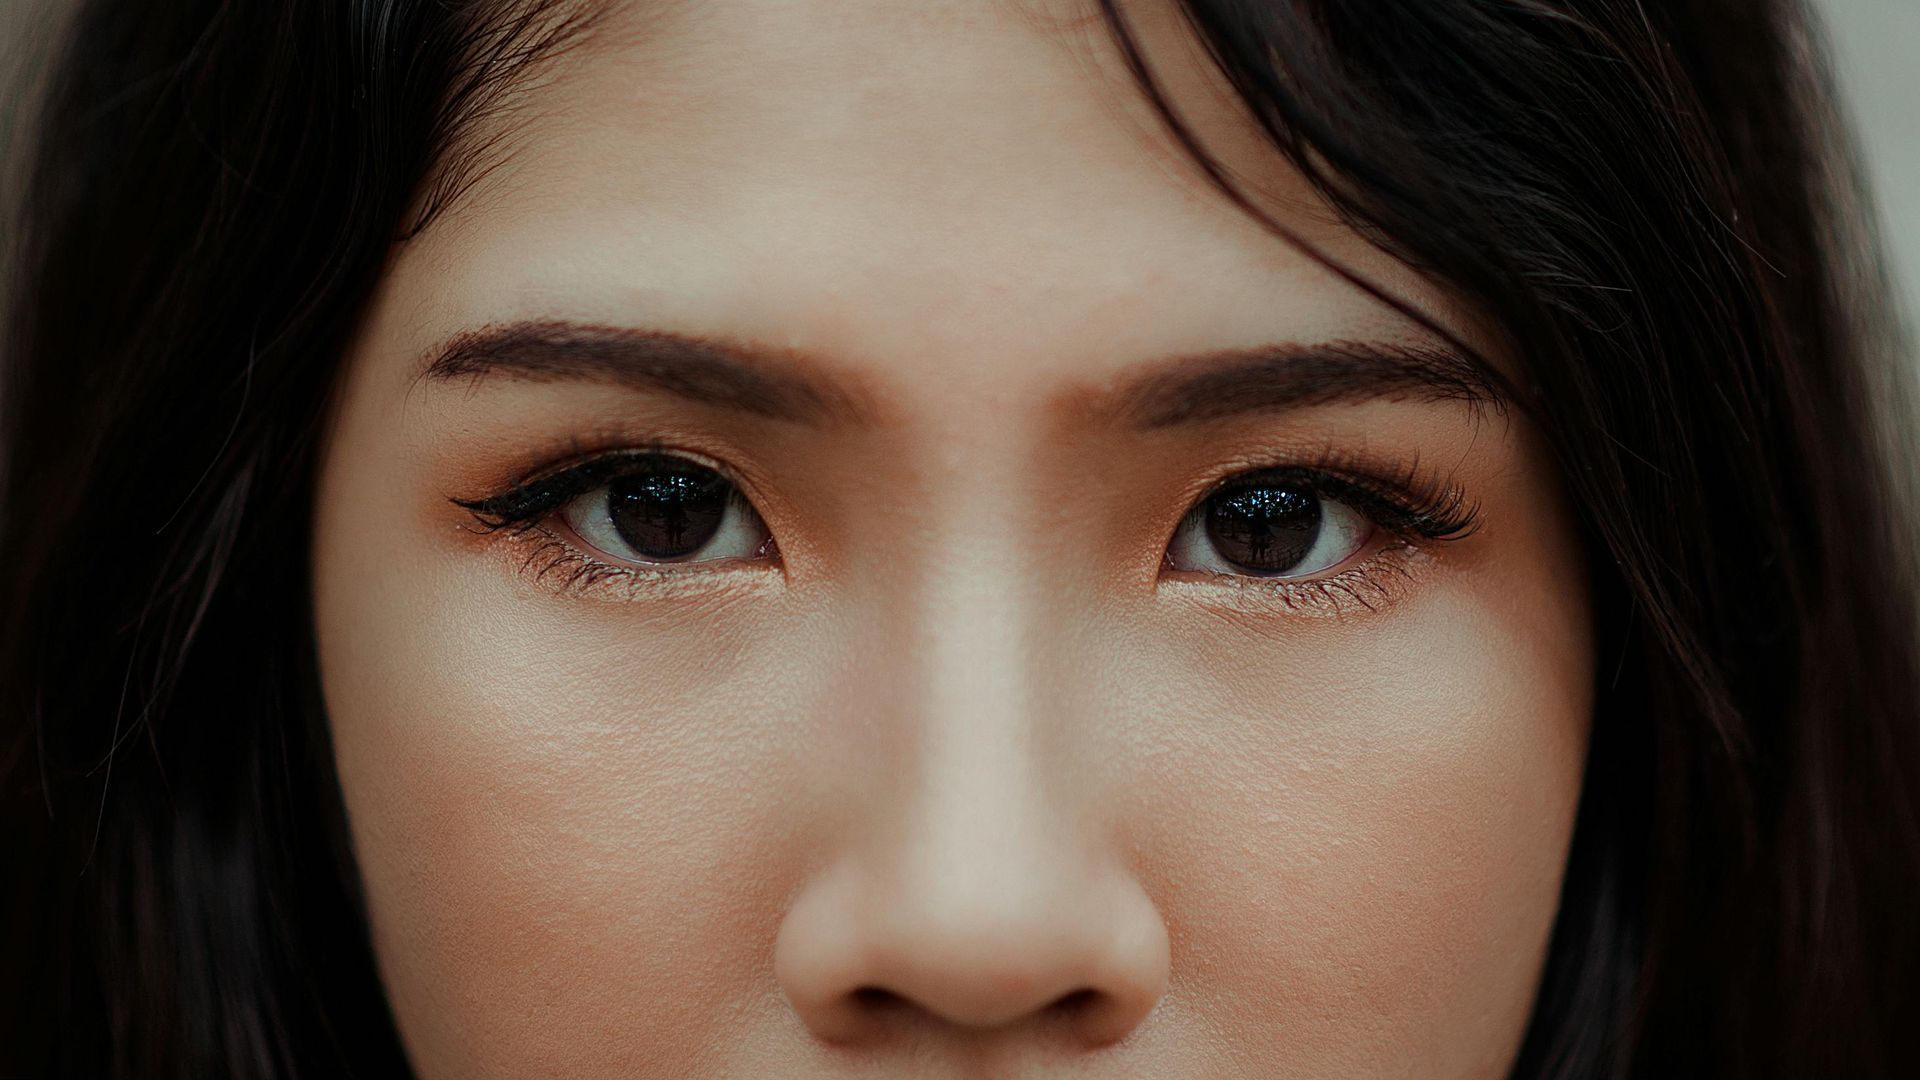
(1371, 826)
(580, 824)
(573, 855)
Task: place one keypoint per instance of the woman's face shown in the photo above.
(940, 590)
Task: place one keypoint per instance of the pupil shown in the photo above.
(668, 514)
(1266, 528)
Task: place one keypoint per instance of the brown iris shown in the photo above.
(1264, 528)
(670, 513)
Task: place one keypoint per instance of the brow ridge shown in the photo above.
(787, 385)
(755, 379)
(1277, 378)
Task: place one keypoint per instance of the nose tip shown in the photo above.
(1090, 962)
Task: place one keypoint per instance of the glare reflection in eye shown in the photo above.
(1274, 528)
(673, 511)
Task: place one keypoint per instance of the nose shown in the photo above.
(977, 937)
(974, 893)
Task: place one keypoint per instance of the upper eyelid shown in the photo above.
(1407, 499)
(571, 477)
(610, 458)
(1407, 505)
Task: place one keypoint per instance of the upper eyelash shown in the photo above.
(1408, 503)
(531, 500)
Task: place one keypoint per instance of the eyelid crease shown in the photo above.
(1407, 501)
(1439, 514)
(1410, 505)
(547, 489)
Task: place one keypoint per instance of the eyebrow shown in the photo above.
(785, 384)
(1277, 378)
(756, 379)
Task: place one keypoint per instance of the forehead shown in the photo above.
(951, 185)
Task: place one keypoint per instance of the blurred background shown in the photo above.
(1876, 57)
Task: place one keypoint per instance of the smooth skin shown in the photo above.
(963, 778)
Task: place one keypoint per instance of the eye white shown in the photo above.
(740, 534)
(1342, 532)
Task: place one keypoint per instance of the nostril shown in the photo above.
(876, 999)
(1075, 1002)
(865, 958)
(877, 1004)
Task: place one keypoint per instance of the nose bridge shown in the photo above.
(979, 695)
(962, 650)
(976, 891)
(985, 825)
(980, 828)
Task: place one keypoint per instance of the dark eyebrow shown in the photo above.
(786, 385)
(1275, 378)
(774, 383)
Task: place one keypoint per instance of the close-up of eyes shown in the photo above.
(1291, 524)
(663, 510)
(646, 508)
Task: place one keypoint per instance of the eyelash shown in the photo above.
(1414, 508)
(1408, 502)
(521, 512)
(529, 501)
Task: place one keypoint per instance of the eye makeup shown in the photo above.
(1319, 533)
(1327, 535)
(618, 523)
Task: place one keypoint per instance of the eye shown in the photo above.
(1269, 526)
(667, 509)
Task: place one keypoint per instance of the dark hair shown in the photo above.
(1651, 200)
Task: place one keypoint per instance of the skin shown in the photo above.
(966, 781)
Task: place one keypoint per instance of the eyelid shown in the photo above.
(545, 557)
(1409, 503)
(1413, 510)
(525, 525)
(1370, 585)
(545, 490)
(736, 503)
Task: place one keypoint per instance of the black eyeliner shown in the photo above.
(1407, 506)
(539, 495)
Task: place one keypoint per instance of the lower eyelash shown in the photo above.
(1374, 584)
(1413, 511)
(545, 558)
(555, 562)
